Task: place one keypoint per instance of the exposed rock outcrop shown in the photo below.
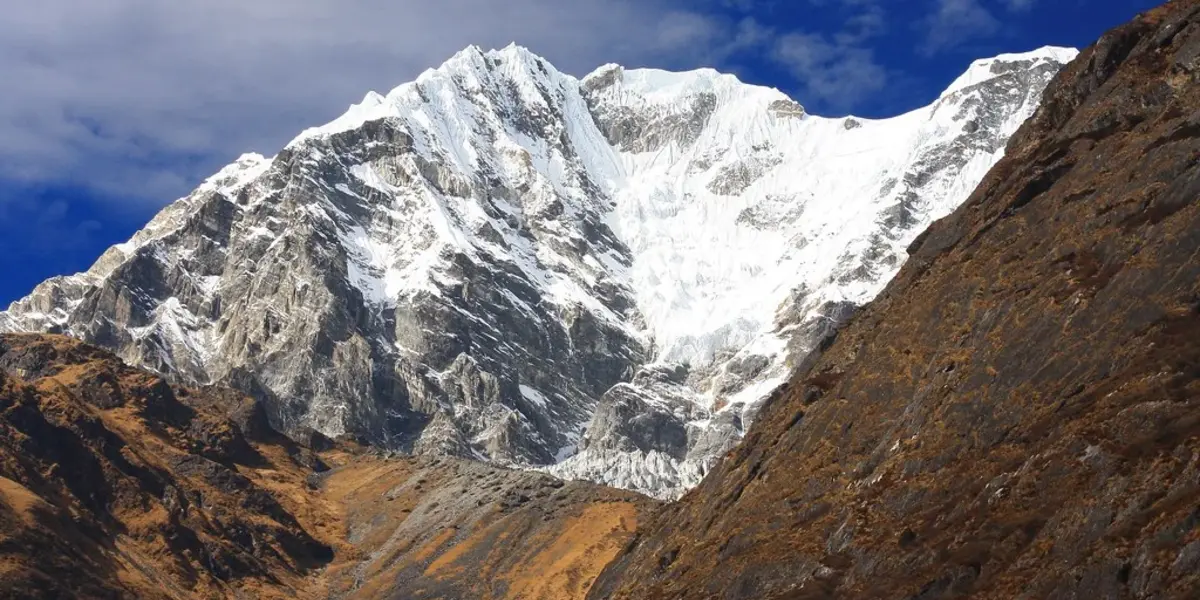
(116, 484)
(1018, 414)
(471, 262)
(113, 482)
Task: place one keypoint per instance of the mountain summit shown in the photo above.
(1017, 415)
(605, 277)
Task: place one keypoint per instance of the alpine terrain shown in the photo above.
(605, 277)
(362, 369)
(1018, 414)
(116, 484)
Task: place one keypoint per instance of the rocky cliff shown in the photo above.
(116, 484)
(1018, 414)
(499, 261)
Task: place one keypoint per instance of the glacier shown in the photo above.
(604, 277)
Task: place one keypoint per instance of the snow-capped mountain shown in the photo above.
(604, 277)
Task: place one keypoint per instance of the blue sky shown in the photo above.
(124, 105)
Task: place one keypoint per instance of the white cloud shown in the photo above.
(955, 22)
(863, 26)
(143, 97)
(1018, 5)
(828, 69)
(838, 68)
(139, 99)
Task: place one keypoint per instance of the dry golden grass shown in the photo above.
(20, 500)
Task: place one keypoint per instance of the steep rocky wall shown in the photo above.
(424, 529)
(1018, 414)
(115, 484)
(468, 265)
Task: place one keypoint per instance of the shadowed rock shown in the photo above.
(1018, 414)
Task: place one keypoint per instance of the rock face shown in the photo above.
(1018, 414)
(115, 484)
(470, 264)
(422, 529)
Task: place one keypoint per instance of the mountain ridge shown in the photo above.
(1017, 415)
(470, 263)
(117, 484)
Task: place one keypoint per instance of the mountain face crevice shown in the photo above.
(1015, 415)
(602, 277)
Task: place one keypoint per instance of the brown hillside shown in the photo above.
(116, 484)
(1018, 415)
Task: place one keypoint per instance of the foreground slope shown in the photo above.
(471, 263)
(422, 529)
(114, 483)
(1018, 414)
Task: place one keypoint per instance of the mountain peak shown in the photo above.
(246, 168)
(514, 50)
(989, 68)
(474, 57)
(668, 85)
(472, 67)
(509, 258)
(1016, 415)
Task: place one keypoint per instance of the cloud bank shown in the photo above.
(139, 99)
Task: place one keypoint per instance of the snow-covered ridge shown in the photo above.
(245, 169)
(603, 276)
(989, 68)
(466, 67)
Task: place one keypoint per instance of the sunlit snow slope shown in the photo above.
(603, 276)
